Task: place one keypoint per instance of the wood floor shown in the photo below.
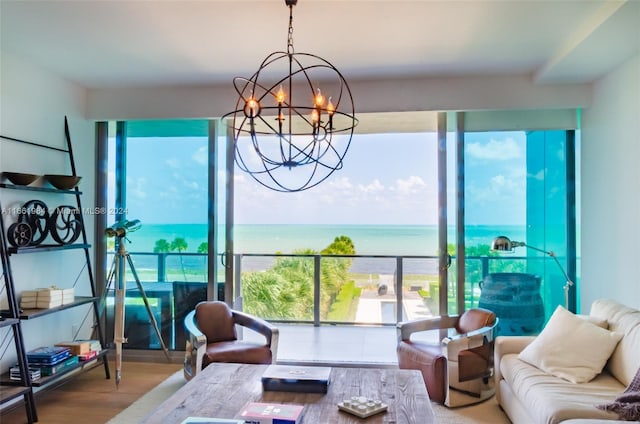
(90, 397)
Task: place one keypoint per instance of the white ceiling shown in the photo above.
(104, 44)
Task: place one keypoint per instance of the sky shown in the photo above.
(386, 179)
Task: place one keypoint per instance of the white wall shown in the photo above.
(611, 189)
(33, 104)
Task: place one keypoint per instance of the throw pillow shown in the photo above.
(571, 348)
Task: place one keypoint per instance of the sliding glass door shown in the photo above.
(520, 184)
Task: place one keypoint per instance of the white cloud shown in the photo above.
(201, 156)
(136, 188)
(372, 188)
(173, 163)
(506, 149)
(411, 185)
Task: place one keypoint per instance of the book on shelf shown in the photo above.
(15, 374)
(271, 413)
(88, 356)
(47, 370)
(48, 355)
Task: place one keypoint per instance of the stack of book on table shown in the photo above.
(51, 359)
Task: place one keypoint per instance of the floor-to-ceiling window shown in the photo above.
(383, 210)
(520, 183)
(159, 177)
(380, 209)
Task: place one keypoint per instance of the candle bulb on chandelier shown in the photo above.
(252, 107)
(315, 119)
(280, 96)
(319, 99)
(331, 109)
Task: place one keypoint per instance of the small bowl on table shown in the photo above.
(63, 182)
(19, 178)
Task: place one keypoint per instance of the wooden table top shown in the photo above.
(221, 390)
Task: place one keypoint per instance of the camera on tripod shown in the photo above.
(121, 228)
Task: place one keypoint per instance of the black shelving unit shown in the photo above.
(13, 316)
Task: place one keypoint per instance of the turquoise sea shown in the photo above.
(392, 240)
(368, 239)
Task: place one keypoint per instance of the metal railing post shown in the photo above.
(399, 275)
(162, 267)
(485, 266)
(237, 281)
(316, 290)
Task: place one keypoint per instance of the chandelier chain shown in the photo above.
(290, 33)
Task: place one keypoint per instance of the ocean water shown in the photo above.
(370, 240)
(403, 240)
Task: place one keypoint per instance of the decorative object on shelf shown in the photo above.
(19, 178)
(65, 224)
(63, 182)
(36, 214)
(19, 234)
(504, 244)
(288, 123)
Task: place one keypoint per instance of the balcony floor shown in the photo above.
(335, 345)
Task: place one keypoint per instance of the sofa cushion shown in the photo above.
(549, 399)
(571, 348)
(625, 320)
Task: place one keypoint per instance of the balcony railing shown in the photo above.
(386, 281)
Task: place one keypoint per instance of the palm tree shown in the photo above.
(180, 245)
(162, 246)
(204, 249)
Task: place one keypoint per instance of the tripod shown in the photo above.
(117, 273)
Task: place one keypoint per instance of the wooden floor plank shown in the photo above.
(90, 397)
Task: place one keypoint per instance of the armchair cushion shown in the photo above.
(237, 351)
(215, 320)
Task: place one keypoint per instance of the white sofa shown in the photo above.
(529, 395)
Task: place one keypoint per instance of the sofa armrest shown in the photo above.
(506, 345)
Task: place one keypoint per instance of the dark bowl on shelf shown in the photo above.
(19, 178)
(63, 182)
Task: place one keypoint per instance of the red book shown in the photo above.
(88, 356)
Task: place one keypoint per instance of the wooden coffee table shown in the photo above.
(221, 390)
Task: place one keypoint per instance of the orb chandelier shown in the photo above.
(289, 133)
